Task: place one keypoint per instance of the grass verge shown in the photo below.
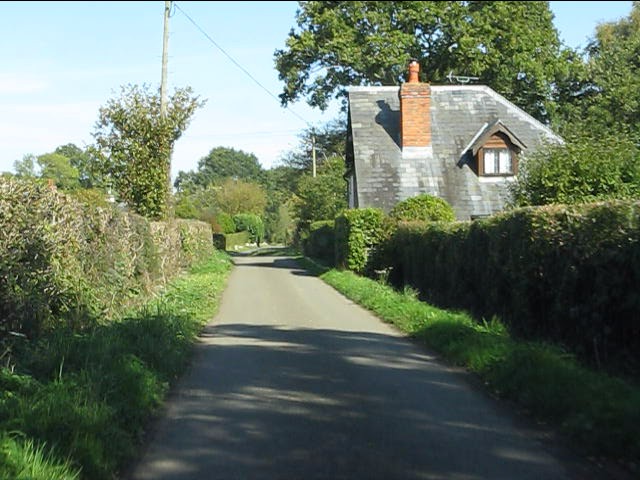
(601, 412)
(76, 405)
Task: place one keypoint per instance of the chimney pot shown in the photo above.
(414, 69)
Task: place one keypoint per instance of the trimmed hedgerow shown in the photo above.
(321, 241)
(357, 231)
(227, 241)
(423, 207)
(251, 223)
(569, 274)
(65, 263)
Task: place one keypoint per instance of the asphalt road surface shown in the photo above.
(293, 381)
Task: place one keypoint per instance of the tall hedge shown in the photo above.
(567, 274)
(357, 231)
(321, 241)
(65, 262)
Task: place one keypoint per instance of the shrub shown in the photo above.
(566, 274)
(321, 241)
(251, 223)
(226, 223)
(357, 231)
(228, 241)
(423, 207)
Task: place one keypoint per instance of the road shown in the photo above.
(293, 381)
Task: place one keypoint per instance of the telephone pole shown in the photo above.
(165, 55)
(313, 153)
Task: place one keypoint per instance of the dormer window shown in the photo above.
(493, 151)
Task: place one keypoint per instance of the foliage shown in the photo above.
(511, 46)
(545, 380)
(57, 167)
(356, 233)
(424, 207)
(237, 196)
(251, 223)
(324, 196)
(24, 460)
(584, 169)
(26, 167)
(66, 262)
(219, 165)
(607, 94)
(228, 241)
(321, 241)
(564, 274)
(134, 143)
(226, 223)
(85, 162)
(91, 394)
(329, 140)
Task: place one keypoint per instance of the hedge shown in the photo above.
(228, 241)
(321, 241)
(66, 262)
(569, 274)
(357, 231)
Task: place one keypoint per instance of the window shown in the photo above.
(497, 161)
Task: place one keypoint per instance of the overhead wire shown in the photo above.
(237, 64)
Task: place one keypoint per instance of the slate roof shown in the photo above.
(384, 176)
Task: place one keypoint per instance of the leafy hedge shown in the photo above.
(423, 207)
(564, 273)
(357, 232)
(321, 241)
(251, 223)
(227, 241)
(68, 263)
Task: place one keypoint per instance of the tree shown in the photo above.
(135, 143)
(609, 96)
(57, 167)
(330, 140)
(221, 163)
(584, 169)
(511, 46)
(26, 167)
(235, 196)
(84, 161)
(322, 197)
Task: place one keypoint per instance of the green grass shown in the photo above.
(89, 396)
(600, 412)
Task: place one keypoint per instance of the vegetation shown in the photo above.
(134, 144)
(80, 401)
(426, 208)
(357, 232)
(598, 411)
(338, 44)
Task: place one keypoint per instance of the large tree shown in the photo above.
(511, 46)
(135, 142)
(608, 98)
(219, 164)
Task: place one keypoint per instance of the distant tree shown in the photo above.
(236, 196)
(135, 144)
(57, 167)
(330, 140)
(26, 167)
(511, 46)
(221, 163)
(84, 161)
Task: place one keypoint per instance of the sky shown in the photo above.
(61, 61)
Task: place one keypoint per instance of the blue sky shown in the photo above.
(60, 61)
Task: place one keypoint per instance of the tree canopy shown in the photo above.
(219, 164)
(511, 46)
(135, 144)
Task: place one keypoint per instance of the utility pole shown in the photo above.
(313, 153)
(165, 55)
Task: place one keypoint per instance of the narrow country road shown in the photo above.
(293, 381)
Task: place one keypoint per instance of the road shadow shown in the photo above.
(274, 402)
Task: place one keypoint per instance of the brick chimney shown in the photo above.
(415, 110)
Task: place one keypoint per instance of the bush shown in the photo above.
(66, 263)
(582, 170)
(565, 274)
(228, 241)
(321, 241)
(251, 223)
(423, 207)
(357, 231)
(226, 223)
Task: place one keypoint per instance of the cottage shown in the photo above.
(458, 142)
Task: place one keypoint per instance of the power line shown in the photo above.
(244, 70)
